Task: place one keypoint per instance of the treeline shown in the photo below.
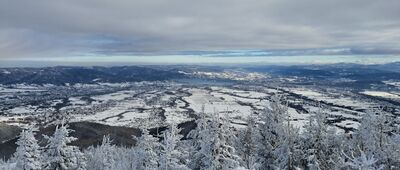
(269, 141)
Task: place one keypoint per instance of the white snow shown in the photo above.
(20, 110)
(121, 95)
(348, 123)
(306, 92)
(76, 101)
(213, 103)
(297, 120)
(6, 72)
(381, 94)
(393, 83)
(236, 102)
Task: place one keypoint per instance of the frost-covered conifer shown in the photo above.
(125, 158)
(61, 156)
(224, 151)
(248, 144)
(212, 140)
(203, 138)
(315, 141)
(171, 155)
(101, 157)
(147, 151)
(373, 136)
(272, 132)
(392, 151)
(27, 155)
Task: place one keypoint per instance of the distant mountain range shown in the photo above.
(62, 75)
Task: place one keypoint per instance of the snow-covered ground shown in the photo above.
(342, 100)
(393, 83)
(381, 94)
(216, 102)
(152, 105)
(306, 92)
(137, 109)
(121, 95)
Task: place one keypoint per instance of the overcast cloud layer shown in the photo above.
(48, 28)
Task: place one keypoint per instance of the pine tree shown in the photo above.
(287, 152)
(213, 144)
(101, 157)
(171, 155)
(248, 144)
(372, 137)
(202, 143)
(28, 153)
(61, 156)
(393, 150)
(147, 151)
(272, 133)
(315, 140)
(225, 153)
(126, 158)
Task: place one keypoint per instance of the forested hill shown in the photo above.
(72, 75)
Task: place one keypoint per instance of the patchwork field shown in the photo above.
(157, 104)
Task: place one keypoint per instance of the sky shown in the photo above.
(74, 30)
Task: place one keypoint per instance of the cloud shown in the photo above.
(104, 27)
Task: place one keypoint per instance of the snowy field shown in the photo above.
(158, 104)
(382, 94)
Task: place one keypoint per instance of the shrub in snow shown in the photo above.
(363, 162)
(7, 165)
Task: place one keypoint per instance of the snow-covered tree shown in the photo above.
(272, 133)
(125, 158)
(61, 156)
(368, 137)
(147, 151)
(269, 141)
(213, 144)
(171, 155)
(392, 151)
(287, 151)
(101, 157)
(224, 152)
(315, 141)
(202, 138)
(333, 143)
(248, 144)
(27, 155)
(363, 162)
(373, 136)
